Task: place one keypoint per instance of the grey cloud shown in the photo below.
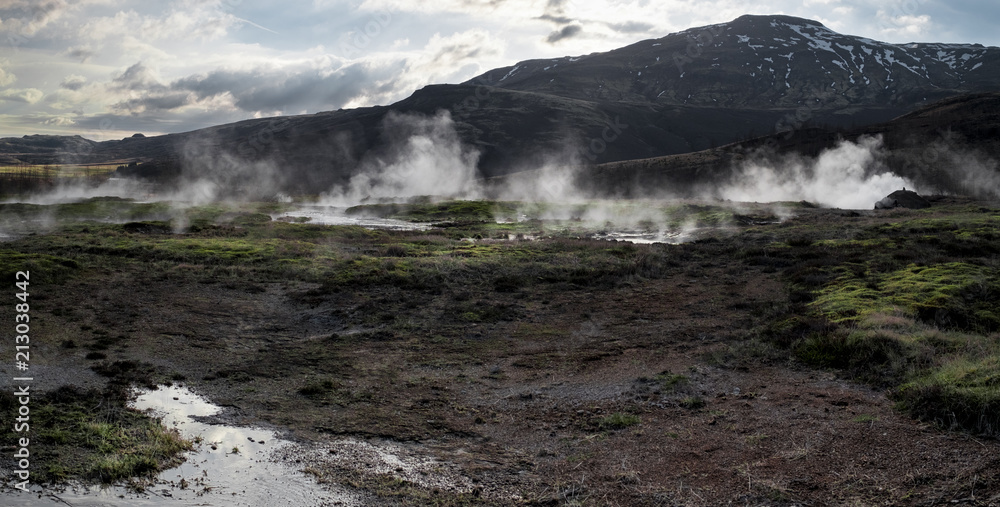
(555, 13)
(258, 90)
(555, 5)
(160, 102)
(564, 33)
(631, 27)
(26, 95)
(82, 53)
(138, 78)
(456, 52)
(34, 14)
(73, 83)
(264, 90)
(559, 20)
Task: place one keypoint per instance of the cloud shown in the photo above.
(73, 82)
(137, 77)
(6, 78)
(26, 95)
(555, 11)
(184, 20)
(559, 20)
(59, 121)
(565, 33)
(443, 59)
(631, 27)
(83, 53)
(905, 25)
(34, 14)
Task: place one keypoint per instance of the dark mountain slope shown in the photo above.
(762, 62)
(933, 146)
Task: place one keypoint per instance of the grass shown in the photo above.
(671, 381)
(618, 421)
(401, 490)
(108, 444)
(692, 402)
(61, 171)
(911, 306)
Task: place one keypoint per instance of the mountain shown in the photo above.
(682, 93)
(763, 62)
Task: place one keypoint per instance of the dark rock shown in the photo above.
(903, 199)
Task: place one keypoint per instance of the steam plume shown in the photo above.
(850, 175)
(421, 155)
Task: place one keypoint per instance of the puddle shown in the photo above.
(330, 215)
(645, 238)
(215, 477)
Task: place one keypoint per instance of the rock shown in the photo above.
(903, 199)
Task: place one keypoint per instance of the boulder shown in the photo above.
(903, 199)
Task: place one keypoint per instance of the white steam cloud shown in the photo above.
(554, 180)
(850, 175)
(424, 156)
(943, 168)
(74, 191)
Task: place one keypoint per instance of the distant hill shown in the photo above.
(683, 93)
(932, 146)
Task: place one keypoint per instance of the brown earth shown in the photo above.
(523, 409)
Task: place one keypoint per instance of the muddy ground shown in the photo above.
(636, 392)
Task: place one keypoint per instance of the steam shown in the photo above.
(210, 174)
(850, 175)
(67, 191)
(554, 180)
(942, 167)
(422, 156)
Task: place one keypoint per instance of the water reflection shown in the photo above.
(231, 467)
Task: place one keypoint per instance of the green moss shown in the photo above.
(109, 444)
(943, 293)
(931, 286)
(42, 268)
(963, 392)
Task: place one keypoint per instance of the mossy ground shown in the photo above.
(92, 436)
(912, 305)
(391, 325)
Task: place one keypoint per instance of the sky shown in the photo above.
(105, 69)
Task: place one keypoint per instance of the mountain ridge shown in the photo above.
(763, 67)
(682, 93)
